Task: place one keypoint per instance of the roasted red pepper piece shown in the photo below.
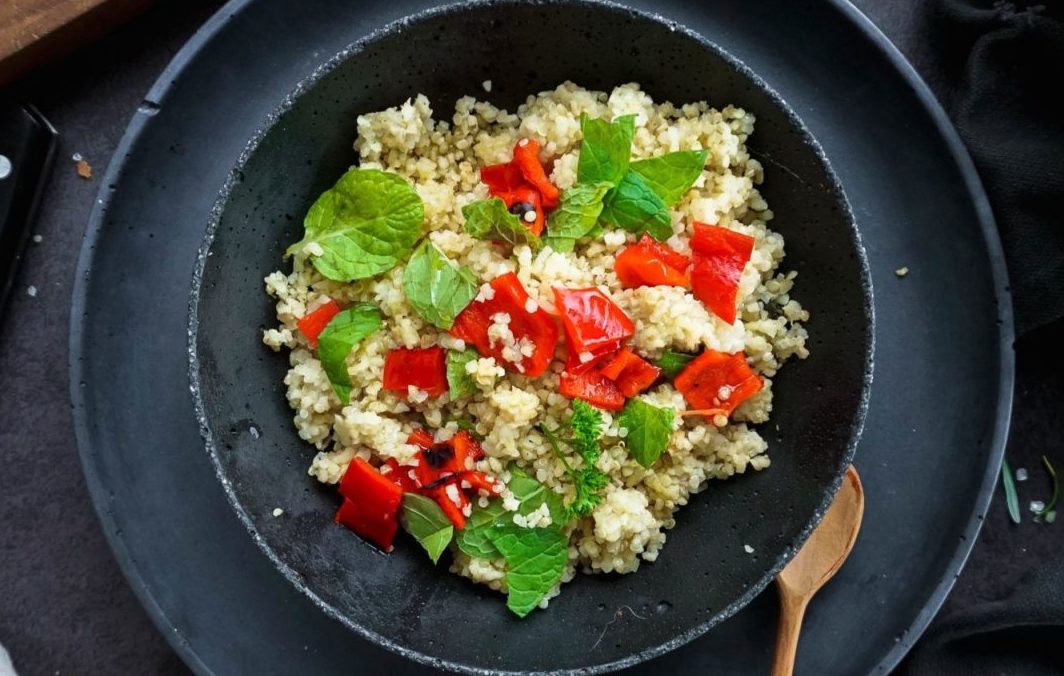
(425, 369)
(593, 323)
(528, 196)
(371, 503)
(471, 325)
(574, 366)
(632, 373)
(719, 258)
(313, 323)
(637, 378)
(650, 263)
(479, 481)
(594, 388)
(526, 157)
(501, 178)
(624, 358)
(400, 475)
(450, 510)
(465, 448)
(713, 374)
(421, 438)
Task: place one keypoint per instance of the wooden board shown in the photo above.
(34, 32)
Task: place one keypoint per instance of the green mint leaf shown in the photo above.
(576, 216)
(490, 219)
(435, 287)
(670, 176)
(459, 382)
(473, 539)
(1012, 501)
(672, 363)
(605, 149)
(649, 429)
(634, 206)
(532, 494)
(347, 329)
(366, 224)
(535, 560)
(423, 518)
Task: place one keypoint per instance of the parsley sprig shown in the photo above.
(582, 434)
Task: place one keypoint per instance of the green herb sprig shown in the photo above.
(1012, 501)
(1049, 512)
(585, 428)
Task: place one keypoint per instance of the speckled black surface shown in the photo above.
(64, 607)
(400, 600)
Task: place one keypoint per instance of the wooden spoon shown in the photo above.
(816, 562)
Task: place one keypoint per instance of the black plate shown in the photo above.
(704, 575)
(943, 376)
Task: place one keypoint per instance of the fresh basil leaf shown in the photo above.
(532, 494)
(339, 337)
(634, 206)
(366, 224)
(473, 539)
(649, 429)
(423, 518)
(435, 287)
(672, 363)
(535, 560)
(576, 216)
(671, 175)
(490, 219)
(605, 149)
(459, 382)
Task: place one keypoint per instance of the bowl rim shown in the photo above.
(234, 178)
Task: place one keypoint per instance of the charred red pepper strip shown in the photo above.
(594, 388)
(501, 178)
(400, 475)
(425, 369)
(421, 438)
(620, 361)
(719, 258)
(479, 481)
(632, 373)
(313, 323)
(371, 503)
(526, 157)
(471, 325)
(450, 509)
(576, 367)
(651, 263)
(717, 380)
(523, 199)
(637, 378)
(593, 323)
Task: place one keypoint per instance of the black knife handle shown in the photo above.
(27, 148)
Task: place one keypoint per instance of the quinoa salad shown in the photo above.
(527, 338)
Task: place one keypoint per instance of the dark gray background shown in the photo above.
(64, 606)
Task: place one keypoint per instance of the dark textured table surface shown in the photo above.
(64, 605)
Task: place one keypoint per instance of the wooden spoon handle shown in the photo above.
(792, 610)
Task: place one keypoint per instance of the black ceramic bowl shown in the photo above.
(606, 621)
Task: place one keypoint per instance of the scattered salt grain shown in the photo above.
(486, 84)
(901, 272)
(277, 511)
(748, 549)
(37, 239)
(31, 291)
(1021, 474)
(1037, 506)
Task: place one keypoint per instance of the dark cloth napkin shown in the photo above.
(998, 68)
